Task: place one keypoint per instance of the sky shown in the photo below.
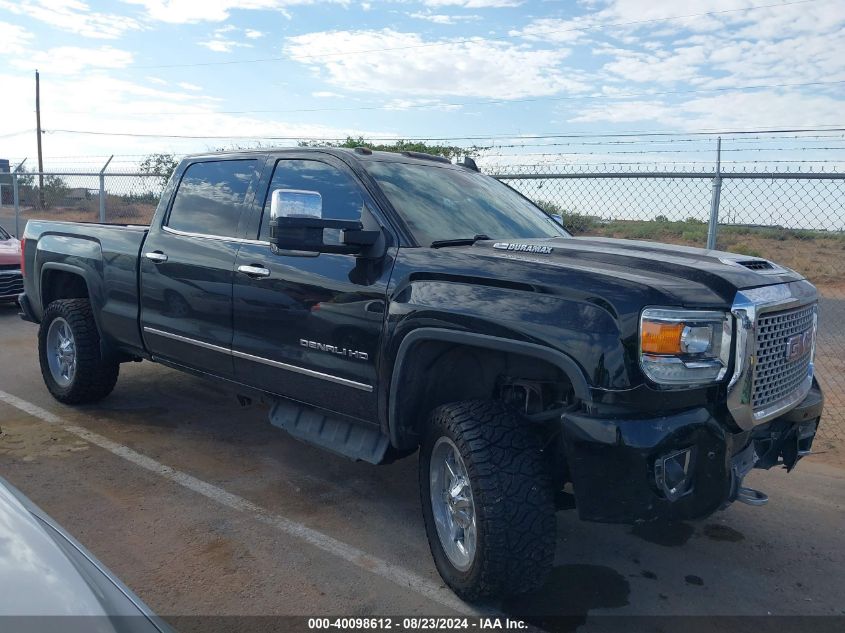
(140, 73)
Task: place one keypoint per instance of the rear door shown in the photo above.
(187, 264)
(308, 326)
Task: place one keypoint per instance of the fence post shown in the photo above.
(103, 191)
(715, 198)
(17, 199)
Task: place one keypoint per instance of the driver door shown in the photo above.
(308, 325)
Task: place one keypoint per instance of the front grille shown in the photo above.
(11, 285)
(775, 376)
(10, 266)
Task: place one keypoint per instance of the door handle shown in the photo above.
(156, 256)
(254, 270)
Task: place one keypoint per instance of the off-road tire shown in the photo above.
(95, 376)
(513, 496)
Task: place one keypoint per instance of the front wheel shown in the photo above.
(69, 352)
(488, 501)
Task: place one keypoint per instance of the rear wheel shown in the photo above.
(487, 500)
(69, 352)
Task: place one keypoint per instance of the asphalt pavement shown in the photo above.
(204, 509)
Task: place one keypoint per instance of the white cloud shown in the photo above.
(658, 67)
(221, 40)
(71, 60)
(191, 11)
(440, 18)
(73, 16)
(554, 30)
(14, 38)
(222, 45)
(325, 94)
(479, 68)
(724, 111)
(99, 102)
(184, 85)
(473, 4)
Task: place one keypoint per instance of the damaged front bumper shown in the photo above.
(681, 466)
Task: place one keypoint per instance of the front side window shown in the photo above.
(341, 194)
(4, 235)
(443, 203)
(211, 196)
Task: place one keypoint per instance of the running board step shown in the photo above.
(349, 439)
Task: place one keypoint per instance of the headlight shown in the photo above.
(685, 347)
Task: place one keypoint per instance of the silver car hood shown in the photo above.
(45, 572)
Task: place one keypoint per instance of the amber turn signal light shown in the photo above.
(661, 338)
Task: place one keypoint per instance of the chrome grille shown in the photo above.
(775, 376)
(11, 285)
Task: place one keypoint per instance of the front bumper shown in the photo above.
(615, 467)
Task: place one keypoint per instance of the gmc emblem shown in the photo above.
(798, 345)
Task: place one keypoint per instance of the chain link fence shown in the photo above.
(78, 196)
(795, 219)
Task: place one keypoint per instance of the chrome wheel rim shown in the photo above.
(61, 352)
(452, 504)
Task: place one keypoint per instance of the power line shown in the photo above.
(21, 133)
(475, 40)
(836, 127)
(435, 106)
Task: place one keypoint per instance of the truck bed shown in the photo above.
(106, 256)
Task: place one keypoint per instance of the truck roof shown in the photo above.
(360, 154)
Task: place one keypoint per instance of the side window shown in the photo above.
(210, 197)
(342, 199)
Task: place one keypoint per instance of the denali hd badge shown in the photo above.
(333, 349)
(523, 248)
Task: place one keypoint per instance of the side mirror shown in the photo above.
(297, 224)
(295, 203)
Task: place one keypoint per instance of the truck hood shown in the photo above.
(648, 263)
(10, 252)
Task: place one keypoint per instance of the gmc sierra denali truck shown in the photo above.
(384, 303)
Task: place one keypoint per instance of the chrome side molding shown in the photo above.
(258, 359)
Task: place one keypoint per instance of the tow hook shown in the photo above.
(752, 497)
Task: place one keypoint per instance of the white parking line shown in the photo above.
(398, 575)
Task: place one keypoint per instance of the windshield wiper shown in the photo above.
(461, 241)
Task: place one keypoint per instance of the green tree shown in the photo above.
(161, 165)
(447, 151)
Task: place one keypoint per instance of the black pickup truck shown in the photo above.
(384, 303)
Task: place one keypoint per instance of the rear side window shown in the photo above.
(211, 196)
(342, 198)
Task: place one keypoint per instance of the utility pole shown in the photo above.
(38, 131)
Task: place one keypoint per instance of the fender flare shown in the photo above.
(90, 281)
(552, 356)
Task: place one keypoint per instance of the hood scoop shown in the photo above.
(757, 264)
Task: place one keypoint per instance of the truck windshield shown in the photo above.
(441, 203)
